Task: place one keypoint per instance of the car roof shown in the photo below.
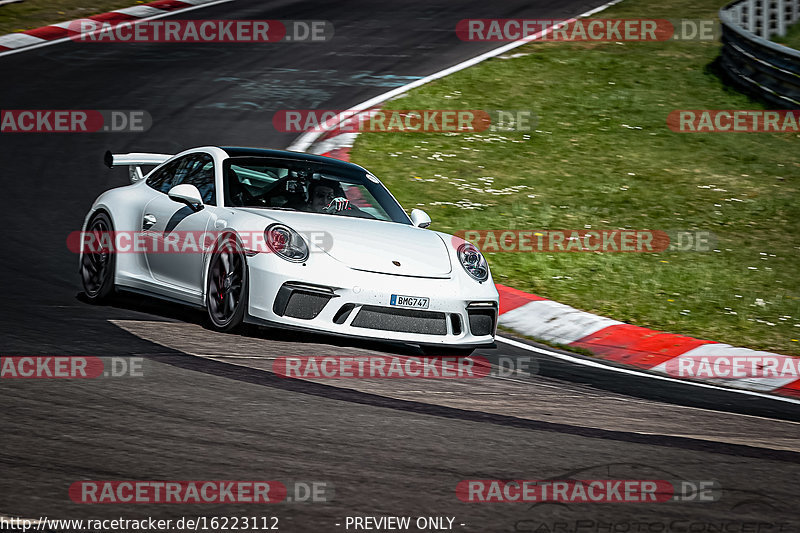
(239, 151)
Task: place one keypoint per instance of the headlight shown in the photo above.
(286, 242)
(473, 262)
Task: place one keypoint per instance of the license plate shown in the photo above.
(411, 302)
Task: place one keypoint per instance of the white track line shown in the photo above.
(604, 366)
(304, 141)
(132, 22)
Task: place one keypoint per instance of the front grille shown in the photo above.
(401, 320)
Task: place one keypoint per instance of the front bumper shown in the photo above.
(327, 296)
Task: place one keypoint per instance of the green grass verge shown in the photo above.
(603, 157)
(36, 13)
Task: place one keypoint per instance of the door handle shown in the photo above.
(148, 221)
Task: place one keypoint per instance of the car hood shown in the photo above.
(371, 245)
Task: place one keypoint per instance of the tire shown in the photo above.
(98, 267)
(446, 351)
(226, 285)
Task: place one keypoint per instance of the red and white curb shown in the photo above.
(63, 31)
(625, 344)
(336, 145)
(606, 338)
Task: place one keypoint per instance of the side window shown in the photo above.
(161, 180)
(197, 170)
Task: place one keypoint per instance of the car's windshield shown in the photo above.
(307, 186)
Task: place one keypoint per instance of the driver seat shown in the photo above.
(238, 195)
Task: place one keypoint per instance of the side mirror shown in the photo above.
(187, 194)
(420, 218)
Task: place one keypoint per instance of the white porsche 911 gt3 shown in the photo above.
(286, 239)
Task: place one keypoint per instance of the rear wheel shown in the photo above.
(226, 285)
(98, 261)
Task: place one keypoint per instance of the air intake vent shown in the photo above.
(301, 301)
(343, 313)
(305, 305)
(455, 323)
(482, 318)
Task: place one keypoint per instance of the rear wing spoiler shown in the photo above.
(134, 162)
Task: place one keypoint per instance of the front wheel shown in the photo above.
(226, 285)
(98, 262)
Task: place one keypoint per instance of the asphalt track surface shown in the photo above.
(209, 408)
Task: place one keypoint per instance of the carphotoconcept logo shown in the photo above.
(74, 121)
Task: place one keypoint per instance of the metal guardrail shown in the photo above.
(755, 64)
